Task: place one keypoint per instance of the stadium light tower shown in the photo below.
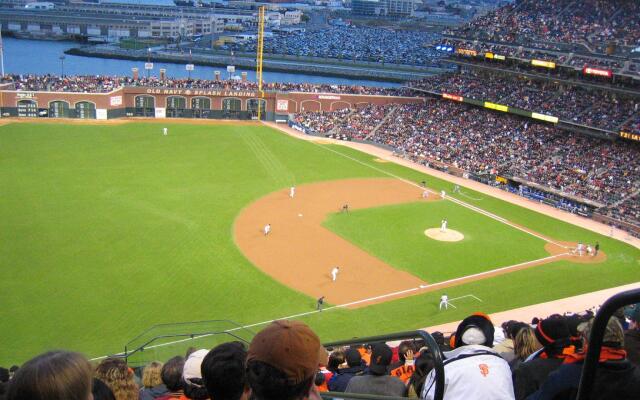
(1, 54)
(61, 66)
(260, 51)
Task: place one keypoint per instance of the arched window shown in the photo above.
(252, 107)
(27, 108)
(145, 106)
(176, 105)
(59, 109)
(231, 108)
(201, 107)
(85, 110)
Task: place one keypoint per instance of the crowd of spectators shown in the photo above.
(380, 45)
(591, 107)
(105, 84)
(487, 143)
(286, 361)
(596, 108)
(546, 23)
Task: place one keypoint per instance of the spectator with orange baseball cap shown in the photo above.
(283, 360)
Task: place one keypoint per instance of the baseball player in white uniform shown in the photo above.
(443, 225)
(292, 191)
(425, 194)
(444, 301)
(267, 229)
(443, 194)
(334, 273)
(165, 131)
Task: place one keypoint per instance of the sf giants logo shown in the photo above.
(484, 369)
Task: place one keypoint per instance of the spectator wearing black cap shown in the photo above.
(473, 370)
(377, 380)
(553, 333)
(632, 335)
(340, 380)
(616, 377)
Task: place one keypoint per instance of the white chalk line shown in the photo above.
(339, 306)
(421, 287)
(459, 202)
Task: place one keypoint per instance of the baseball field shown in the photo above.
(109, 229)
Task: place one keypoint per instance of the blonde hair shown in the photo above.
(117, 375)
(151, 375)
(525, 343)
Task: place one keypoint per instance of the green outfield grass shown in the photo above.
(107, 230)
(487, 244)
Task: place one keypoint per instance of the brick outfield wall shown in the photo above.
(124, 101)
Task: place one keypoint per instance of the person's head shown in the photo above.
(116, 374)
(151, 374)
(353, 357)
(403, 348)
(101, 391)
(525, 343)
(192, 376)
(476, 329)
(171, 374)
(56, 375)
(223, 372)
(613, 334)
(282, 361)
(381, 356)
(553, 334)
(336, 359)
(13, 370)
(633, 312)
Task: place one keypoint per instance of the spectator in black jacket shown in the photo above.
(616, 378)
(632, 335)
(340, 380)
(553, 334)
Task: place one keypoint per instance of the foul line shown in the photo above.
(459, 202)
(370, 299)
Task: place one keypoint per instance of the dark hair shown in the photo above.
(269, 383)
(56, 375)
(223, 371)
(172, 373)
(335, 359)
(403, 348)
(423, 365)
(4, 375)
(194, 389)
(101, 391)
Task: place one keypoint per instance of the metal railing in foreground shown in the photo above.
(430, 343)
(163, 341)
(605, 312)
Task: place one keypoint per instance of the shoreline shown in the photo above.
(274, 65)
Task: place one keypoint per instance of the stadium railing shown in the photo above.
(163, 341)
(430, 343)
(605, 312)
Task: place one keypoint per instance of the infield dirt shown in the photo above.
(300, 253)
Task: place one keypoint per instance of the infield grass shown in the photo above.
(107, 230)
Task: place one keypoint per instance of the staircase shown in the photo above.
(385, 119)
(335, 128)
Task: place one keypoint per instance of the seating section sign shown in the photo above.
(282, 105)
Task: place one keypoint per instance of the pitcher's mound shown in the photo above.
(447, 236)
